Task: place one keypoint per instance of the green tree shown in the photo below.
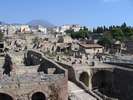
(128, 32)
(117, 34)
(106, 42)
(69, 32)
(124, 25)
(82, 33)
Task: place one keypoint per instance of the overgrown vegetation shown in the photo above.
(82, 33)
(114, 33)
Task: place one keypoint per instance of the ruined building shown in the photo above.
(33, 77)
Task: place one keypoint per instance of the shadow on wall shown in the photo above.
(123, 80)
(4, 96)
(116, 84)
(38, 96)
(32, 58)
(45, 65)
(103, 81)
(84, 77)
(71, 73)
(7, 65)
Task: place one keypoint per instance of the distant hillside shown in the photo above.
(2, 23)
(40, 22)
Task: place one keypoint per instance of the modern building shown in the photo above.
(42, 29)
(25, 28)
(63, 28)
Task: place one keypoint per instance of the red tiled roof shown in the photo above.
(90, 45)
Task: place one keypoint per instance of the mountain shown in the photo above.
(40, 22)
(2, 23)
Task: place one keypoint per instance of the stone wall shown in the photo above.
(52, 90)
(71, 73)
(123, 84)
(117, 83)
(72, 76)
(37, 58)
(22, 87)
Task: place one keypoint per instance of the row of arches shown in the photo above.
(101, 81)
(98, 80)
(35, 96)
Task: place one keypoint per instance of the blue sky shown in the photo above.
(85, 12)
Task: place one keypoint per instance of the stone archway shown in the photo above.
(4, 96)
(84, 77)
(38, 96)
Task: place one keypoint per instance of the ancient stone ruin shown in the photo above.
(33, 77)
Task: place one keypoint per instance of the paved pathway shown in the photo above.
(77, 93)
(113, 66)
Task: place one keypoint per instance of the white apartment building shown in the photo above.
(42, 29)
(76, 27)
(63, 28)
(56, 29)
(25, 28)
(3, 27)
(9, 30)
